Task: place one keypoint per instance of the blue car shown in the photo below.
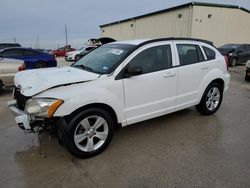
(32, 58)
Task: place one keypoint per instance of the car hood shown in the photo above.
(32, 82)
(73, 52)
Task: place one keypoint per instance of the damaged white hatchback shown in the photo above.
(118, 84)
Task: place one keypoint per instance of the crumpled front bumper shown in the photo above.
(23, 119)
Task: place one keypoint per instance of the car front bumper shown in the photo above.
(23, 120)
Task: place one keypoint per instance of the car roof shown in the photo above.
(146, 41)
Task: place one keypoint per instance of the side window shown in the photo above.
(30, 52)
(11, 53)
(209, 53)
(153, 59)
(189, 54)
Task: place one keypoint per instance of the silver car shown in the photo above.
(8, 68)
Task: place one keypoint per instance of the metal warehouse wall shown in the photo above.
(226, 25)
(160, 25)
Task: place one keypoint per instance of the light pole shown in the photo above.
(66, 34)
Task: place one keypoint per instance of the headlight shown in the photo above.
(42, 107)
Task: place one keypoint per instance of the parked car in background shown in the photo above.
(96, 43)
(9, 45)
(236, 53)
(62, 51)
(247, 77)
(32, 58)
(75, 55)
(119, 84)
(8, 68)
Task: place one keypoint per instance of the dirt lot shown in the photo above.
(183, 149)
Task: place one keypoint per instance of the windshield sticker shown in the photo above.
(105, 68)
(116, 51)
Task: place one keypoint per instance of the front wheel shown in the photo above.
(211, 99)
(89, 133)
(77, 57)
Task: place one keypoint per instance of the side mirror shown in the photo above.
(132, 71)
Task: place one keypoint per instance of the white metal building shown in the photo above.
(218, 23)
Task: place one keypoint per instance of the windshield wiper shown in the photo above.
(84, 67)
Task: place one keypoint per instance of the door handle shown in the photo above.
(204, 67)
(169, 74)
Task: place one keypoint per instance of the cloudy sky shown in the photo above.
(25, 20)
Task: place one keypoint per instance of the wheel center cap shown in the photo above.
(91, 133)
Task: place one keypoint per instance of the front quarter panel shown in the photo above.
(104, 91)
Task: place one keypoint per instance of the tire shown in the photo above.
(211, 99)
(77, 57)
(233, 62)
(247, 78)
(89, 123)
(1, 86)
(40, 64)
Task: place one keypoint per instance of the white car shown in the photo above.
(8, 68)
(119, 84)
(72, 56)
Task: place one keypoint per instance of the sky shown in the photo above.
(24, 21)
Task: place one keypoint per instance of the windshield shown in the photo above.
(80, 49)
(103, 59)
(230, 46)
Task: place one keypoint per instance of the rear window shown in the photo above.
(209, 53)
(189, 54)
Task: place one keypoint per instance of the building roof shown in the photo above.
(178, 7)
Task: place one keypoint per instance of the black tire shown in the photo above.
(74, 127)
(233, 62)
(40, 64)
(247, 78)
(77, 57)
(202, 107)
(1, 86)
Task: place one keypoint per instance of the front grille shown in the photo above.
(20, 99)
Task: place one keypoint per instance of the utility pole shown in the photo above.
(66, 34)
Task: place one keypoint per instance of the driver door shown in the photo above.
(152, 93)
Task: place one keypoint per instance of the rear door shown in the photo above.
(192, 69)
(8, 68)
(244, 54)
(153, 92)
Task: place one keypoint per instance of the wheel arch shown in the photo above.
(103, 106)
(208, 80)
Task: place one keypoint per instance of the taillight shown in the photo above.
(22, 67)
(226, 60)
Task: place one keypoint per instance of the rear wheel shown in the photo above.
(211, 99)
(40, 64)
(1, 86)
(247, 78)
(89, 133)
(233, 63)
